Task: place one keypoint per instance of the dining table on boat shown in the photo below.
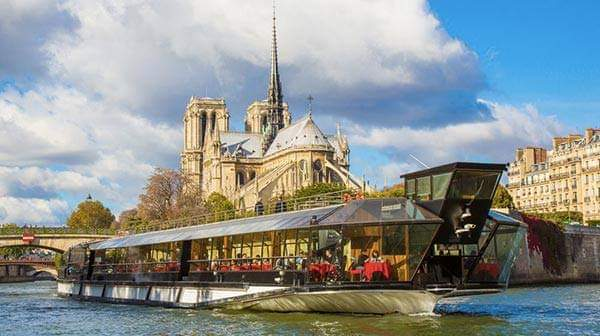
(319, 271)
(372, 267)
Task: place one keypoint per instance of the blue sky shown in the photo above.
(540, 52)
(92, 93)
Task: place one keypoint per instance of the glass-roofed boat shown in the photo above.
(392, 255)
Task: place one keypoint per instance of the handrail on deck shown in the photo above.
(271, 207)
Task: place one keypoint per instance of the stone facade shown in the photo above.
(581, 264)
(565, 178)
(270, 158)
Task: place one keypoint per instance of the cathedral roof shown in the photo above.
(303, 133)
(241, 144)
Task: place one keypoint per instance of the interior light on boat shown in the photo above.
(470, 226)
(466, 214)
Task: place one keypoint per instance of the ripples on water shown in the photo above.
(34, 309)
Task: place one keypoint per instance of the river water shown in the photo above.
(34, 309)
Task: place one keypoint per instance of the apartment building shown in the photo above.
(565, 178)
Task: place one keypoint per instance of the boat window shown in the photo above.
(424, 188)
(420, 236)
(289, 248)
(267, 246)
(217, 248)
(440, 185)
(410, 189)
(303, 241)
(247, 245)
(200, 249)
(395, 239)
(256, 245)
(236, 247)
(469, 185)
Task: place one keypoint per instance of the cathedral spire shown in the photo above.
(275, 96)
(275, 116)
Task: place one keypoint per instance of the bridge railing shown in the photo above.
(5, 231)
(271, 207)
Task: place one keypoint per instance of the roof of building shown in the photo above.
(244, 144)
(302, 133)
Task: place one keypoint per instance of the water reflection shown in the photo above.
(34, 309)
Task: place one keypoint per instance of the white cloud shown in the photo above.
(32, 210)
(149, 55)
(107, 82)
(492, 140)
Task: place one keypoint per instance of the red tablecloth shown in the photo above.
(382, 267)
(319, 272)
(487, 269)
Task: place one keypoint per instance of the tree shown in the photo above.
(502, 198)
(397, 190)
(318, 189)
(129, 219)
(169, 194)
(561, 218)
(220, 205)
(90, 214)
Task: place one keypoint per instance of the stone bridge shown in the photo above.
(55, 241)
(27, 269)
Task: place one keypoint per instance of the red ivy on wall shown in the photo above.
(548, 239)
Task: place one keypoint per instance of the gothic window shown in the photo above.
(203, 122)
(251, 175)
(213, 121)
(317, 171)
(240, 178)
(263, 123)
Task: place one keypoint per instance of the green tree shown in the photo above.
(217, 203)
(397, 190)
(14, 252)
(59, 260)
(318, 189)
(502, 198)
(561, 218)
(593, 222)
(91, 214)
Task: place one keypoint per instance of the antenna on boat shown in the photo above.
(419, 161)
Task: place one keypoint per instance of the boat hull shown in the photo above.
(259, 298)
(347, 301)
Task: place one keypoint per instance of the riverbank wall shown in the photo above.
(555, 258)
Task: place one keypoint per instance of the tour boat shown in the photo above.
(373, 256)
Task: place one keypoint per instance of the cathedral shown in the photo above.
(274, 156)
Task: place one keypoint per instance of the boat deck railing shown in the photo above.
(271, 207)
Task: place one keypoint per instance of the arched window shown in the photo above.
(213, 121)
(203, 122)
(263, 122)
(240, 178)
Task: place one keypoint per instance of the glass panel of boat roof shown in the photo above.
(503, 218)
(380, 210)
(264, 223)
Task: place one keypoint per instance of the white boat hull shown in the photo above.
(347, 301)
(261, 298)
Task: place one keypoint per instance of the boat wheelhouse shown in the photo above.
(360, 256)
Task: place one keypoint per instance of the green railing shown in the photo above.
(5, 231)
(274, 206)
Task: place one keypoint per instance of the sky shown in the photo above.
(92, 93)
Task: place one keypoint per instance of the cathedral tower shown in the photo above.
(202, 119)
